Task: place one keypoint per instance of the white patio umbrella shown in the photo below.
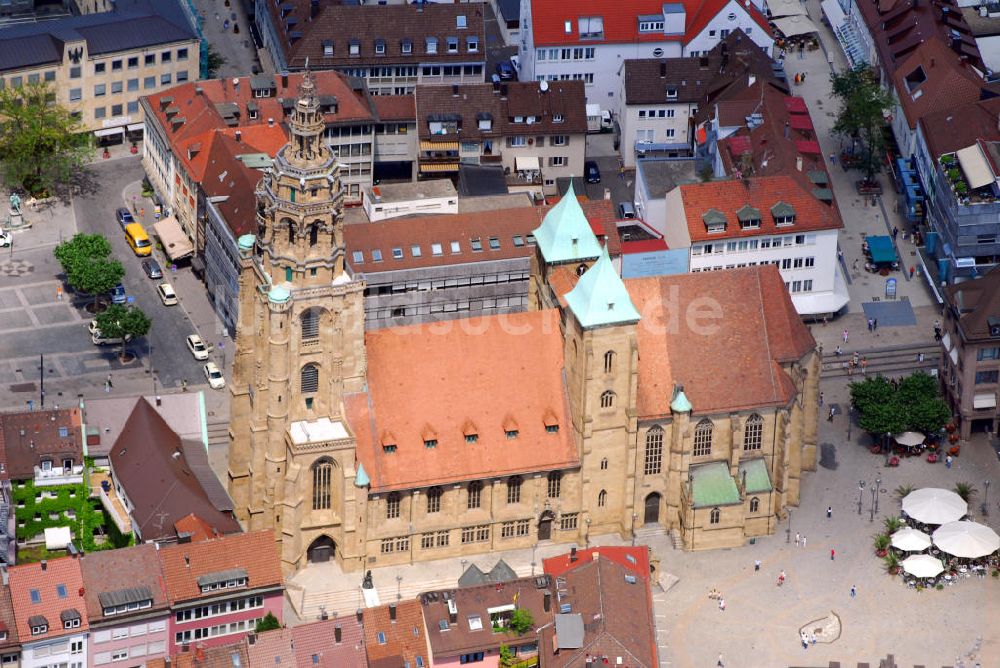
(933, 505)
(922, 565)
(909, 438)
(968, 540)
(910, 540)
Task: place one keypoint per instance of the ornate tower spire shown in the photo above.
(306, 126)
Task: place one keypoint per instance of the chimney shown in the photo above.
(251, 638)
(159, 400)
(798, 163)
(338, 633)
(572, 554)
(595, 555)
(392, 612)
(44, 564)
(270, 122)
(663, 70)
(360, 615)
(751, 80)
(284, 79)
(239, 137)
(187, 561)
(547, 601)
(786, 129)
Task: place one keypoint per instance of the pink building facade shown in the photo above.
(224, 618)
(132, 642)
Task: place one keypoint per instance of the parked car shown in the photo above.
(124, 217)
(626, 211)
(152, 268)
(505, 70)
(197, 347)
(166, 293)
(5, 238)
(592, 172)
(99, 339)
(118, 295)
(214, 376)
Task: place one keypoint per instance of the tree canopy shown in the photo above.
(863, 105)
(41, 143)
(86, 260)
(913, 406)
(268, 623)
(123, 322)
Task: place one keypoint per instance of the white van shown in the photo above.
(598, 120)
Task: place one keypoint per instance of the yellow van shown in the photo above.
(138, 239)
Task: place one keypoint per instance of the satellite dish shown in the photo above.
(543, 86)
(236, 81)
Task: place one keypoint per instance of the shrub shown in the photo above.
(953, 174)
(521, 621)
(268, 623)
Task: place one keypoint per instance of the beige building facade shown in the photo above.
(421, 442)
(90, 70)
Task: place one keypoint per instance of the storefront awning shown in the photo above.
(439, 146)
(790, 26)
(785, 8)
(109, 132)
(439, 167)
(526, 163)
(985, 400)
(136, 127)
(808, 146)
(977, 169)
(175, 242)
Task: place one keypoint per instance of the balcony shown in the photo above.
(102, 488)
(491, 158)
(58, 475)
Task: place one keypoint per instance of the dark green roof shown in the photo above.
(713, 486)
(747, 212)
(819, 177)
(757, 478)
(824, 194)
(714, 217)
(782, 210)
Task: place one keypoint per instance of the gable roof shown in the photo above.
(256, 553)
(621, 24)
(26, 438)
(305, 34)
(615, 616)
(976, 303)
(7, 620)
(413, 386)
(949, 130)
(125, 574)
(599, 298)
(400, 640)
(229, 655)
(166, 478)
(633, 559)
(316, 644)
(271, 649)
(946, 81)
(565, 235)
(58, 586)
(729, 360)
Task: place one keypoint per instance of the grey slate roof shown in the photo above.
(69, 614)
(110, 599)
(37, 620)
(135, 24)
(222, 576)
(569, 631)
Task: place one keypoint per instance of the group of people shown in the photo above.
(857, 360)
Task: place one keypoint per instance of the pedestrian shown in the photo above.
(109, 381)
(869, 324)
(850, 368)
(833, 554)
(854, 267)
(621, 172)
(722, 605)
(829, 512)
(838, 351)
(781, 578)
(756, 565)
(920, 357)
(719, 662)
(184, 385)
(833, 411)
(803, 541)
(864, 365)
(798, 539)
(947, 462)
(846, 335)
(895, 233)
(812, 638)
(856, 357)
(142, 212)
(59, 292)
(833, 158)
(913, 268)
(854, 591)
(875, 324)
(805, 639)
(821, 399)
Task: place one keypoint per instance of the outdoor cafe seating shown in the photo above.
(880, 254)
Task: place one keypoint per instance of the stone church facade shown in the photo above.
(607, 407)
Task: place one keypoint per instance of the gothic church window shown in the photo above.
(310, 378)
(703, 438)
(555, 484)
(654, 451)
(609, 361)
(475, 495)
(514, 489)
(604, 464)
(392, 506)
(322, 476)
(602, 498)
(754, 504)
(753, 432)
(715, 516)
(434, 500)
(309, 321)
(314, 234)
(607, 399)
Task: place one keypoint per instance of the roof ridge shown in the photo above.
(767, 336)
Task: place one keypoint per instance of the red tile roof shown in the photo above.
(952, 129)
(948, 81)
(219, 656)
(634, 559)
(7, 620)
(729, 358)
(404, 639)
(761, 193)
(196, 528)
(58, 588)
(507, 368)
(395, 107)
(621, 25)
(110, 571)
(316, 644)
(643, 246)
(255, 552)
(271, 649)
(28, 438)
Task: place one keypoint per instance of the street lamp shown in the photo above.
(888, 450)
(874, 493)
(586, 536)
(850, 419)
(399, 583)
(986, 498)
(861, 491)
(634, 517)
(878, 490)
(788, 531)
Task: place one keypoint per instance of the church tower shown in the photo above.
(299, 350)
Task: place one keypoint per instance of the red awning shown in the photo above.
(701, 135)
(796, 105)
(808, 146)
(800, 122)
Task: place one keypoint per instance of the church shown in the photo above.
(685, 404)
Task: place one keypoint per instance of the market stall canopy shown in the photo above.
(175, 242)
(786, 8)
(881, 250)
(909, 438)
(922, 565)
(933, 505)
(910, 540)
(790, 26)
(969, 540)
(976, 167)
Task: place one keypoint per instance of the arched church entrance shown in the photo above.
(652, 511)
(321, 550)
(545, 525)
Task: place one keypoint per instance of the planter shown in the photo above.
(953, 438)
(950, 427)
(881, 553)
(954, 451)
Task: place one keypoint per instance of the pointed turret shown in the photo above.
(565, 234)
(361, 478)
(600, 297)
(680, 403)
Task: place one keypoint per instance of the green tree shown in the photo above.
(268, 623)
(926, 415)
(863, 105)
(521, 621)
(871, 391)
(215, 61)
(507, 657)
(883, 418)
(86, 261)
(966, 490)
(41, 144)
(123, 322)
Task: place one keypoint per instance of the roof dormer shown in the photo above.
(784, 214)
(715, 221)
(749, 217)
(470, 431)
